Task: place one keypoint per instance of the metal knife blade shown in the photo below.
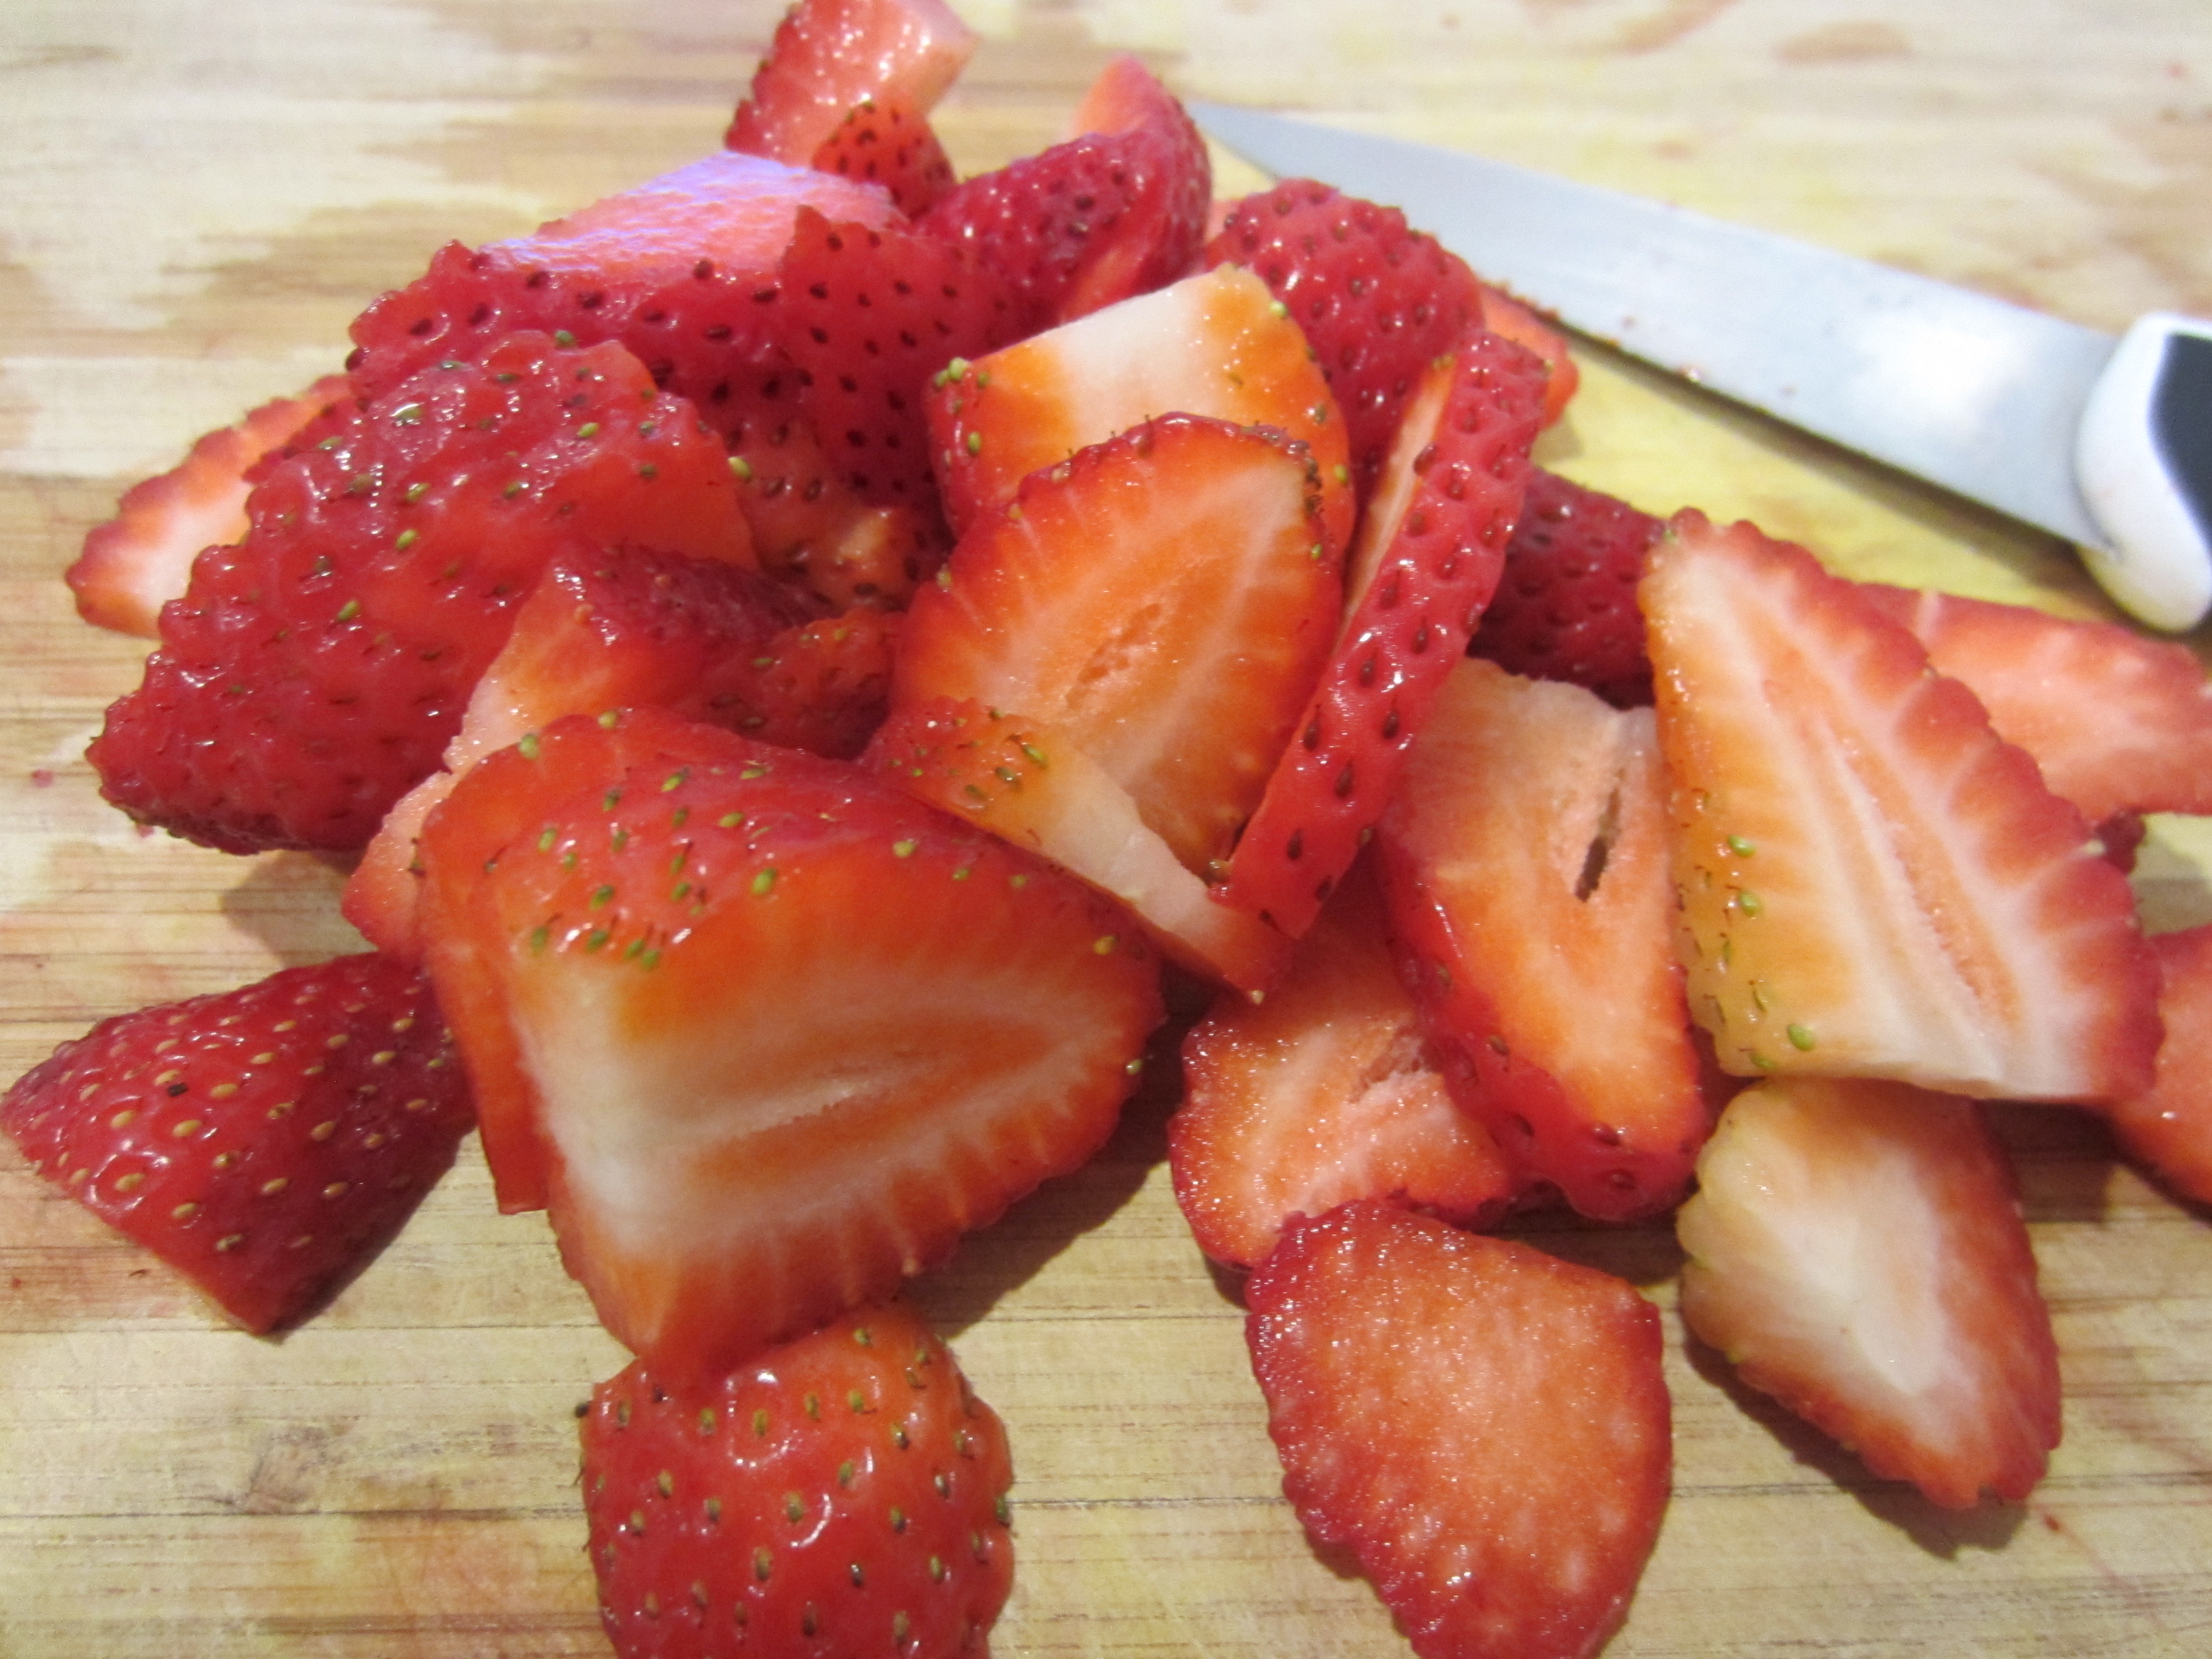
(1982, 398)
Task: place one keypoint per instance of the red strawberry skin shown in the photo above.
(764, 1033)
(888, 143)
(1422, 577)
(313, 674)
(828, 56)
(265, 1142)
(1565, 604)
(845, 1493)
(2168, 1128)
(1379, 301)
(1484, 1426)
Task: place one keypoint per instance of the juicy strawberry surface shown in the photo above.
(2168, 1128)
(1526, 863)
(1565, 607)
(1320, 1093)
(1484, 1426)
(1872, 882)
(844, 1493)
(1856, 1249)
(830, 57)
(141, 558)
(885, 142)
(1431, 547)
(264, 1142)
(2119, 723)
(313, 674)
(1029, 782)
(1215, 344)
(766, 1034)
(1379, 301)
(1163, 599)
(1118, 209)
(1503, 314)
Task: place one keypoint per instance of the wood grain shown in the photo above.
(196, 196)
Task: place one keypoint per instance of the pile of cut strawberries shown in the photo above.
(811, 657)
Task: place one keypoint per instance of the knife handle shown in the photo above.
(2142, 457)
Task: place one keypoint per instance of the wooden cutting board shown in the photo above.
(195, 197)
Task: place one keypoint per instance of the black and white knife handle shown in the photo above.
(2143, 460)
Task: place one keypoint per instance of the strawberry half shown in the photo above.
(1872, 882)
(2119, 723)
(830, 57)
(315, 672)
(265, 1142)
(141, 558)
(1216, 344)
(1321, 1092)
(1855, 1248)
(1163, 600)
(1380, 302)
(766, 1034)
(1120, 210)
(1526, 863)
(1431, 547)
(1484, 1426)
(1565, 604)
(2168, 1128)
(845, 1493)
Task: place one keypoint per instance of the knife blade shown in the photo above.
(2104, 441)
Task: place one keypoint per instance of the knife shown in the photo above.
(2105, 442)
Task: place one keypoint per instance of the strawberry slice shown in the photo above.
(1565, 604)
(889, 144)
(1872, 882)
(2168, 1128)
(845, 1493)
(1855, 1248)
(1028, 782)
(1120, 210)
(1379, 301)
(2119, 723)
(766, 1034)
(1431, 547)
(1526, 863)
(1483, 1426)
(1320, 1093)
(141, 558)
(1215, 344)
(829, 57)
(1163, 599)
(265, 1142)
(1503, 314)
(313, 674)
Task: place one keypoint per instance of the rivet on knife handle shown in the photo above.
(2143, 460)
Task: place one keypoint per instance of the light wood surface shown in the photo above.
(195, 197)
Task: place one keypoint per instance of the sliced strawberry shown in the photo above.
(315, 672)
(829, 57)
(591, 275)
(1118, 211)
(1872, 882)
(1566, 605)
(1503, 314)
(1028, 782)
(141, 558)
(1320, 1093)
(265, 1142)
(2169, 1128)
(1163, 599)
(2119, 723)
(811, 530)
(767, 1034)
(1379, 301)
(889, 144)
(1525, 859)
(1484, 1426)
(845, 1493)
(1215, 344)
(1856, 1249)
(1431, 547)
